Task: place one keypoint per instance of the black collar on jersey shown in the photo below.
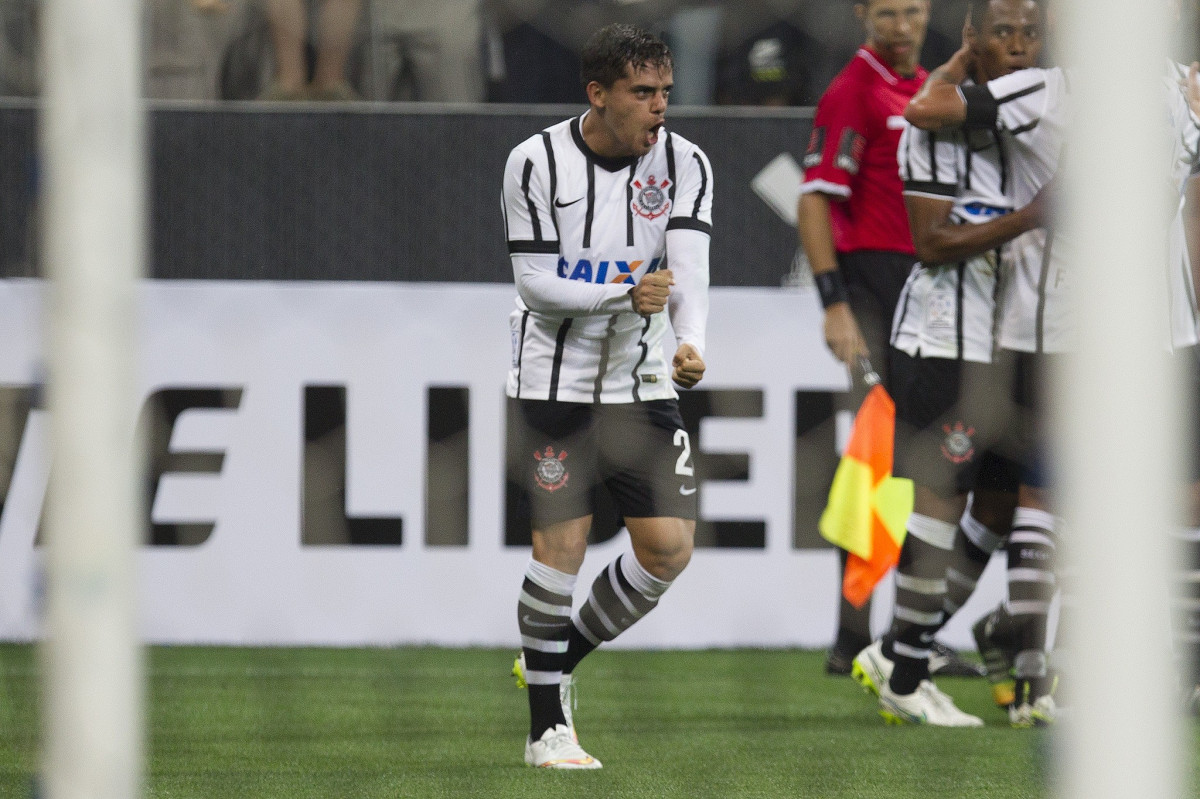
(604, 162)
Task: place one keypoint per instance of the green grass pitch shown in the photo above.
(427, 722)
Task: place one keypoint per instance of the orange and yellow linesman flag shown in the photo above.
(868, 509)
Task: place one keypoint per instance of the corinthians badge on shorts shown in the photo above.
(550, 473)
(958, 446)
(650, 199)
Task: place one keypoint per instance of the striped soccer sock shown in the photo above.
(920, 596)
(974, 544)
(1032, 551)
(1187, 609)
(544, 618)
(621, 594)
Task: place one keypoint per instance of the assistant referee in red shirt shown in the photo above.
(852, 220)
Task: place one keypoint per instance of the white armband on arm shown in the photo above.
(543, 291)
(687, 258)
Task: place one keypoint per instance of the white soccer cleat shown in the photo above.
(926, 705)
(558, 749)
(1042, 712)
(1034, 705)
(871, 668)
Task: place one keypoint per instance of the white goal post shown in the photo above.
(92, 154)
(1121, 479)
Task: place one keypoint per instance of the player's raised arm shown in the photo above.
(940, 103)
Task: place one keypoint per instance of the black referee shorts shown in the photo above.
(558, 453)
(874, 281)
(955, 428)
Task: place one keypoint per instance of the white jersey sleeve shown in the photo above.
(692, 203)
(929, 162)
(688, 234)
(687, 257)
(532, 232)
(1021, 99)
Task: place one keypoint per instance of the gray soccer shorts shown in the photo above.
(956, 427)
(559, 453)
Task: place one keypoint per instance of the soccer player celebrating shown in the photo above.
(608, 217)
(949, 421)
(1029, 109)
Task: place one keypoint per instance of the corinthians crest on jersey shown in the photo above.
(600, 224)
(651, 200)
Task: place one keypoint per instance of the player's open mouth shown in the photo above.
(652, 135)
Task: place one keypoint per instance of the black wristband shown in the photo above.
(831, 287)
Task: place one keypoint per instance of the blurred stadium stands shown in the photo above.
(500, 50)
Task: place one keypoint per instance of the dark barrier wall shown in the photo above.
(397, 192)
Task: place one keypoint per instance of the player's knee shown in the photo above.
(561, 546)
(667, 550)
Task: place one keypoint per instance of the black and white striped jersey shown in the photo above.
(582, 229)
(1030, 109)
(949, 310)
(1185, 156)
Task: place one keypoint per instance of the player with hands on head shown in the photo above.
(595, 207)
(1030, 111)
(949, 422)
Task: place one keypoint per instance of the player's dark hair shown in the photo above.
(978, 8)
(612, 47)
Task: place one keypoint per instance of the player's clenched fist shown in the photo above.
(689, 366)
(650, 295)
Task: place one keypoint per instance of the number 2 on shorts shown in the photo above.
(681, 465)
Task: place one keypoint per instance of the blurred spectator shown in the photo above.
(693, 33)
(185, 40)
(533, 67)
(781, 65)
(536, 57)
(337, 21)
(428, 50)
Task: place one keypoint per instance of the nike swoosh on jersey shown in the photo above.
(687, 493)
(560, 204)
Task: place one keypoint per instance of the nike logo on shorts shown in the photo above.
(687, 492)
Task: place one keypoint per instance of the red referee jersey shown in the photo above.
(852, 154)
